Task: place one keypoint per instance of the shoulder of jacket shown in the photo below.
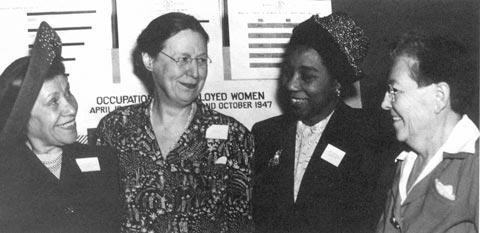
(280, 120)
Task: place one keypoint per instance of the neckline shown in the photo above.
(191, 114)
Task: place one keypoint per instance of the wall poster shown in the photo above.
(98, 37)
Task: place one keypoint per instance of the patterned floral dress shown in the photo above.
(202, 185)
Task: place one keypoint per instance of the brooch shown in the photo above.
(276, 159)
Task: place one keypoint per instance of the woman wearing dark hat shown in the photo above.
(49, 183)
(186, 167)
(316, 166)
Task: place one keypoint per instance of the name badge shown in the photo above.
(89, 164)
(333, 155)
(217, 132)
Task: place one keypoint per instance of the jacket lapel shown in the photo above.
(43, 175)
(317, 167)
(395, 194)
(420, 189)
(70, 176)
(41, 181)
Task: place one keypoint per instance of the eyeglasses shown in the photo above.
(187, 60)
(393, 92)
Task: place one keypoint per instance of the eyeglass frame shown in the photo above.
(393, 92)
(189, 60)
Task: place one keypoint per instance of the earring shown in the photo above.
(338, 92)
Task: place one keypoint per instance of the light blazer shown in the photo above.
(330, 198)
(426, 210)
(32, 199)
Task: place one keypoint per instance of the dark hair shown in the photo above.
(21, 66)
(153, 37)
(333, 58)
(439, 59)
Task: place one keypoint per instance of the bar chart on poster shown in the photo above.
(83, 27)
(259, 31)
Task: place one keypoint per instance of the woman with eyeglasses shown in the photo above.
(186, 168)
(431, 89)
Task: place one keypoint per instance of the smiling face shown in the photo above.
(310, 87)
(176, 84)
(52, 119)
(412, 108)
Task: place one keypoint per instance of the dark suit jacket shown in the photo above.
(330, 198)
(33, 200)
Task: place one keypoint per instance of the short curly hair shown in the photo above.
(439, 59)
(151, 40)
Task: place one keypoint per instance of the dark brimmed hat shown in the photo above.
(339, 28)
(21, 82)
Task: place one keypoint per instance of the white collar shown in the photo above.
(462, 138)
(402, 156)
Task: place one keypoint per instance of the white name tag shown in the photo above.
(333, 155)
(89, 164)
(217, 132)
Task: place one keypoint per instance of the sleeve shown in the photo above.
(380, 227)
(474, 189)
(105, 130)
(260, 160)
(105, 136)
(239, 184)
(261, 201)
(115, 199)
(360, 173)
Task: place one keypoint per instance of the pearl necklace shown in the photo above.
(185, 127)
(53, 165)
(52, 162)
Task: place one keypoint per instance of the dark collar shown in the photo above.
(460, 155)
